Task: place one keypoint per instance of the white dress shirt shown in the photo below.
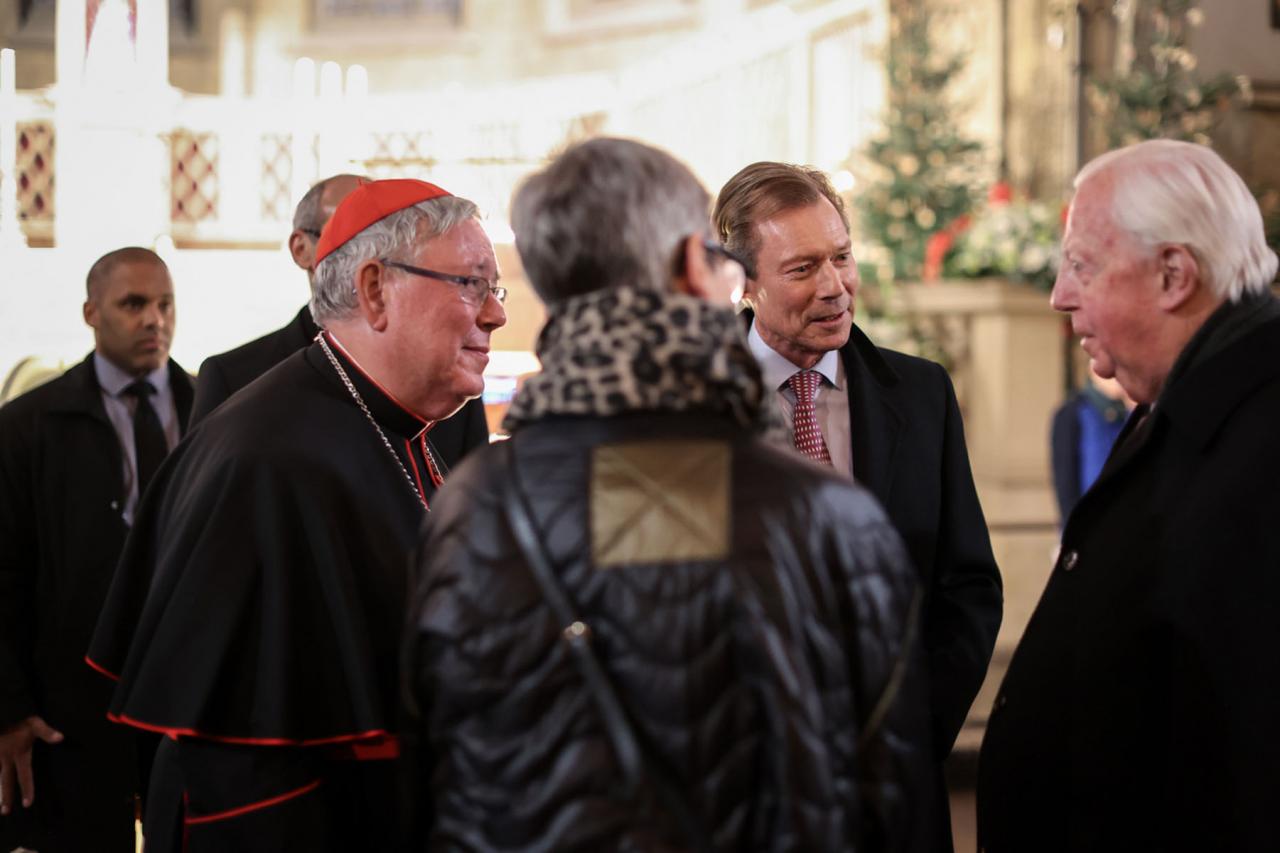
(830, 403)
(111, 382)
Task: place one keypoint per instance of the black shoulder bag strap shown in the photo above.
(634, 760)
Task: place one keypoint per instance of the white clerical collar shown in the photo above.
(777, 368)
(113, 380)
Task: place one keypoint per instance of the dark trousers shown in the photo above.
(84, 800)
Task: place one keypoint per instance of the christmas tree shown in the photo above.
(921, 172)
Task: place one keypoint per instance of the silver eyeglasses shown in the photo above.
(474, 288)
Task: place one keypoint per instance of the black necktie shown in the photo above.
(149, 443)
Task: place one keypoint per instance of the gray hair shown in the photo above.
(333, 295)
(309, 214)
(606, 213)
(1177, 192)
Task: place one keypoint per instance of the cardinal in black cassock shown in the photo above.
(255, 616)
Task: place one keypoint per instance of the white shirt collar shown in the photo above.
(777, 368)
(113, 380)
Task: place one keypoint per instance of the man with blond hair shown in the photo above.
(887, 419)
(1139, 710)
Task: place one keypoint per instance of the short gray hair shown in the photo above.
(333, 295)
(606, 213)
(1178, 192)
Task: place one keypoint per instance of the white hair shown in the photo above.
(1176, 192)
(333, 294)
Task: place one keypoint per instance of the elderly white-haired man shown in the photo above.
(256, 613)
(1140, 709)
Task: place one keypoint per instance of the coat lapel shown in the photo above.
(299, 334)
(80, 395)
(1196, 406)
(875, 423)
(1129, 443)
(183, 394)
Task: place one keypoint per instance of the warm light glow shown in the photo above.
(357, 82)
(512, 363)
(304, 78)
(163, 246)
(498, 230)
(8, 84)
(843, 181)
(10, 233)
(743, 85)
(330, 80)
(232, 64)
(111, 62)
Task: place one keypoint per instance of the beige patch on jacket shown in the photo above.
(660, 502)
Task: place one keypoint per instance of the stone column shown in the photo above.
(1008, 372)
(304, 131)
(231, 44)
(11, 235)
(113, 109)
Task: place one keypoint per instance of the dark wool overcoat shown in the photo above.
(62, 492)
(1139, 711)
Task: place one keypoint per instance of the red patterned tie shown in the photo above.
(808, 437)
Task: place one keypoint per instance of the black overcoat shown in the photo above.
(62, 492)
(909, 451)
(1139, 711)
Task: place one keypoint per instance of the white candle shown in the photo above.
(304, 78)
(8, 85)
(330, 80)
(357, 82)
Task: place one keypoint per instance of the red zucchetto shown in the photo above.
(366, 204)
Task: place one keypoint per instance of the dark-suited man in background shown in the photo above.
(75, 456)
(223, 375)
(1140, 709)
(888, 419)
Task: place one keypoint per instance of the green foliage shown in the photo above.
(1161, 95)
(920, 172)
(1269, 202)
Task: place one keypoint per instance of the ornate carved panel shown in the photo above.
(35, 172)
(193, 179)
(194, 176)
(277, 176)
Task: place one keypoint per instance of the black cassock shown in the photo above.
(255, 616)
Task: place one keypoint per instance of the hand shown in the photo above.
(15, 759)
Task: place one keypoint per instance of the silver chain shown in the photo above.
(346, 380)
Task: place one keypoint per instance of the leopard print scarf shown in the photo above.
(621, 350)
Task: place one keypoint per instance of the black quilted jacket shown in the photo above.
(771, 668)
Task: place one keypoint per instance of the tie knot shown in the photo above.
(805, 384)
(140, 389)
